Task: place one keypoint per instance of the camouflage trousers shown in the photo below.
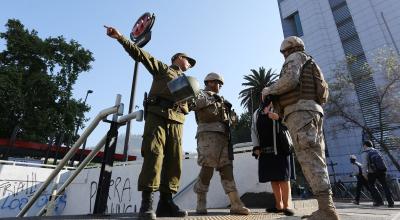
(305, 127)
(203, 181)
(212, 149)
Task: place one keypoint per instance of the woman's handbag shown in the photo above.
(285, 143)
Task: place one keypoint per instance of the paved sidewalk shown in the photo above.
(347, 211)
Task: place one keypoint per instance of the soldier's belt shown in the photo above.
(164, 103)
(160, 102)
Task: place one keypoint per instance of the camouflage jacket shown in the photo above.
(288, 80)
(211, 113)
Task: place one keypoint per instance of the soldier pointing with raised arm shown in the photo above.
(162, 137)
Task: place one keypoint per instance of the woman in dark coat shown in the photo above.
(273, 166)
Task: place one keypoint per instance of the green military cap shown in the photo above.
(191, 60)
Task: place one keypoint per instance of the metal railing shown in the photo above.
(116, 110)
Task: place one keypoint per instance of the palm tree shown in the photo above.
(255, 82)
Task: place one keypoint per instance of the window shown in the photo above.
(292, 25)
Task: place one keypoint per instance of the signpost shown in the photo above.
(141, 35)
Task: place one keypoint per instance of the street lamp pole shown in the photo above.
(77, 128)
(84, 102)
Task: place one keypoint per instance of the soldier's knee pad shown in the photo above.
(226, 172)
(206, 174)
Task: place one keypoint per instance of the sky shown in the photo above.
(229, 37)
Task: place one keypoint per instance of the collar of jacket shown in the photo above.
(175, 67)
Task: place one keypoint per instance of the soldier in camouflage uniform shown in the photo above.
(303, 118)
(162, 137)
(214, 116)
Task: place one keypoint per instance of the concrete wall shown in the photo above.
(18, 183)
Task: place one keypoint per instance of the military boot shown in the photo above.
(237, 207)
(326, 209)
(167, 208)
(146, 209)
(201, 208)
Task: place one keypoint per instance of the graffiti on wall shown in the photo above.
(119, 196)
(14, 194)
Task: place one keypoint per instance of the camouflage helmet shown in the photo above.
(291, 42)
(214, 76)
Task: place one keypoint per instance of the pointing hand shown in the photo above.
(112, 32)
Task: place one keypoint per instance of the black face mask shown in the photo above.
(352, 161)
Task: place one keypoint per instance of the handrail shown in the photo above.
(40, 165)
(103, 114)
(185, 188)
(122, 120)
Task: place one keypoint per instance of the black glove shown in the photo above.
(227, 104)
(217, 98)
(254, 150)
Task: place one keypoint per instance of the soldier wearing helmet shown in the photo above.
(304, 119)
(214, 117)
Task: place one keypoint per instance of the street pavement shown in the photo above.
(347, 211)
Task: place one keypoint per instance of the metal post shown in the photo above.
(103, 185)
(77, 128)
(12, 142)
(49, 148)
(131, 102)
(82, 151)
(58, 145)
(332, 164)
(84, 103)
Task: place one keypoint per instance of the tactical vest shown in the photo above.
(305, 89)
(216, 112)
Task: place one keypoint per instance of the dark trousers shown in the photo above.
(361, 182)
(381, 176)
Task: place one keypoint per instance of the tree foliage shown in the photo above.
(255, 82)
(242, 131)
(385, 69)
(36, 79)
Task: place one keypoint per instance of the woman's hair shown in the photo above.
(266, 102)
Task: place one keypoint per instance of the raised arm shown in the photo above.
(153, 65)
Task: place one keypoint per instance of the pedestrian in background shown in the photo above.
(374, 168)
(361, 180)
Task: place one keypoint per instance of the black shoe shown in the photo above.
(288, 212)
(146, 209)
(356, 202)
(167, 208)
(273, 210)
(391, 205)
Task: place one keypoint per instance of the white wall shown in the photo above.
(18, 183)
